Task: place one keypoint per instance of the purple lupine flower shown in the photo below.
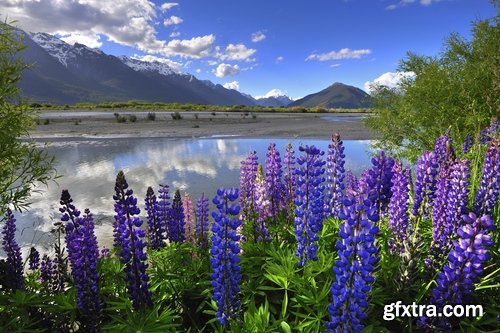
(176, 223)
(425, 183)
(34, 259)
(274, 184)
(289, 177)
(83, 253)
(132, 246)
(263, 208)
(378, 180)
(335, 176)
(105, 252)
(357, 251)
(309, 211)
(163, 210)
(201, 231)
(468, 142)
(455, 283)
(443, 149)
(48, 274)
(351, 182)
(398, 207)
(488, 133)
(457, 195)
(248, 172)
(440, 227)
(224, 255)
(156, 229)
(489, 187)
(14, 273)
(187, 206)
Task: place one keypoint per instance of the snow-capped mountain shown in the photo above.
(63, 73)
(274, 97)
(145, 66)
(59, 49)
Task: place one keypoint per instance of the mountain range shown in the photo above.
(62, 73)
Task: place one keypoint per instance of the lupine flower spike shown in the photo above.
(248, 172)
(83, 253)
(202, 222)
(309, 201)
(274, 184)
(335, 176)
(15, 275)
(34, 259)
(378, 181)
(156, 229)
(489, 187)
(131, 245)
(176, 222)
(398, 207)
(425, 184)
(263, 208)
(357, 251)
(187, 206)
(455, 283)
(224, 255)
(163, 210)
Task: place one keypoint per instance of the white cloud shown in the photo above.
(344, 53)
(175, 34)
(404, 3)
(196, 47)
(235, 85)
(224, 70)
(273, 93)
(90, 39)
(212, 62)
(168, 5)
(334, 65)
(389, 79)
(176, 66)
(279, 59)
(258, 37)
(172, 20)
(198, 70)
(132, 23)
(236, 52)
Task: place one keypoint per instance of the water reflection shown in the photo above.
(89, 168)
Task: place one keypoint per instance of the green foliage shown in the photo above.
(22, 163)
(459, 89)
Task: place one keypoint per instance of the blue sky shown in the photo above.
(297, 47)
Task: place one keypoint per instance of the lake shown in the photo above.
(198, 165)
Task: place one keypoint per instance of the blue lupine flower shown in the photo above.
(335, 176)
(224, 255)
(458, 194)
(163, 209)
(488, 133)
(425, 184)
(248, 172)
(443, 149)
(455, 283)
(274, 184)
(351, 182)
(176, 223)
(489, 187)
(83, 253)
(15, 277)
(289, 177)
(156, 229)
(468, 142)
(132, 246)
(398, 207)
(378, 181)
(309, 201)
(34, 259)
(357, 251)
(47, 274)
(201, 232)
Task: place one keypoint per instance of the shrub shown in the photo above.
(176, 115)
(132, 118)
(151, 116)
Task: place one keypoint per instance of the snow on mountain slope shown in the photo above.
(148, 66)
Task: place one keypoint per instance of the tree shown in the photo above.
(458, 89)
(23, 165)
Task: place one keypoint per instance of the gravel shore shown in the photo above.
(103, 124)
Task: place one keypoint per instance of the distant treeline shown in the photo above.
(138, 105)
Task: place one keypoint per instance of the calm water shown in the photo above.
(89, 168)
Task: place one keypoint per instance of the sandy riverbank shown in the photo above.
(102, 124)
